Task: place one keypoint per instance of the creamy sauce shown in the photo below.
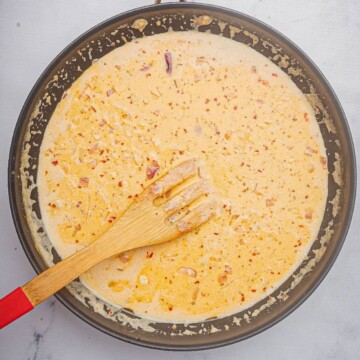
(153, 103)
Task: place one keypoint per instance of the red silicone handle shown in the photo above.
(13, 306)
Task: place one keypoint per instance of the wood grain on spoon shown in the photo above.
(144, 223)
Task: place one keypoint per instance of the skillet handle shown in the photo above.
(14, 305)
(159, 1)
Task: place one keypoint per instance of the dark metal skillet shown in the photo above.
(100, 40)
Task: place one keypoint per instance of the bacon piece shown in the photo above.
(124, 258)
(228, 269)
(187, 271)
(151, 170)
(84, 182)
(168, 60)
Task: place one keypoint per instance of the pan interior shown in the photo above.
(70, 64)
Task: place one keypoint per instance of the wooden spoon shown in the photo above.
(145, 222)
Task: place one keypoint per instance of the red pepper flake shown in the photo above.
(299, 243)
(207, 101)
(308, 214)
(78, 204)
(264, 82)
(109, 92)
(170, 308)
(242, 297)
(145, 68)
(77, 227)
(270, 202)
(111, 219)
(84, 182)
(120, 183)
(151, 170)
(168, 60)
(323, 160)
(130, 196)
(181, 152)
(274, 75)
(222, 278)
(311, 150)
(215, 233)
(149, 255)
(55, 162)
(306, 117)
(93, 148)
(235, 107)
(253, 290)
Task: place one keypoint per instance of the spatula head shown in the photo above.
(177, 203)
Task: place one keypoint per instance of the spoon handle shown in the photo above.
(14, 305)
(25, 298)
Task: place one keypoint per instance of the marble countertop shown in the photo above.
(327, 326)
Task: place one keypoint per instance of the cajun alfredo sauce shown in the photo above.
(153, 103)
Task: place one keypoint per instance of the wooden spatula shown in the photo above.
(151, 219)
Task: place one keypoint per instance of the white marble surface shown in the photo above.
(327, 326)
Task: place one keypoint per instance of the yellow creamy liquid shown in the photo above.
(222, 103)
